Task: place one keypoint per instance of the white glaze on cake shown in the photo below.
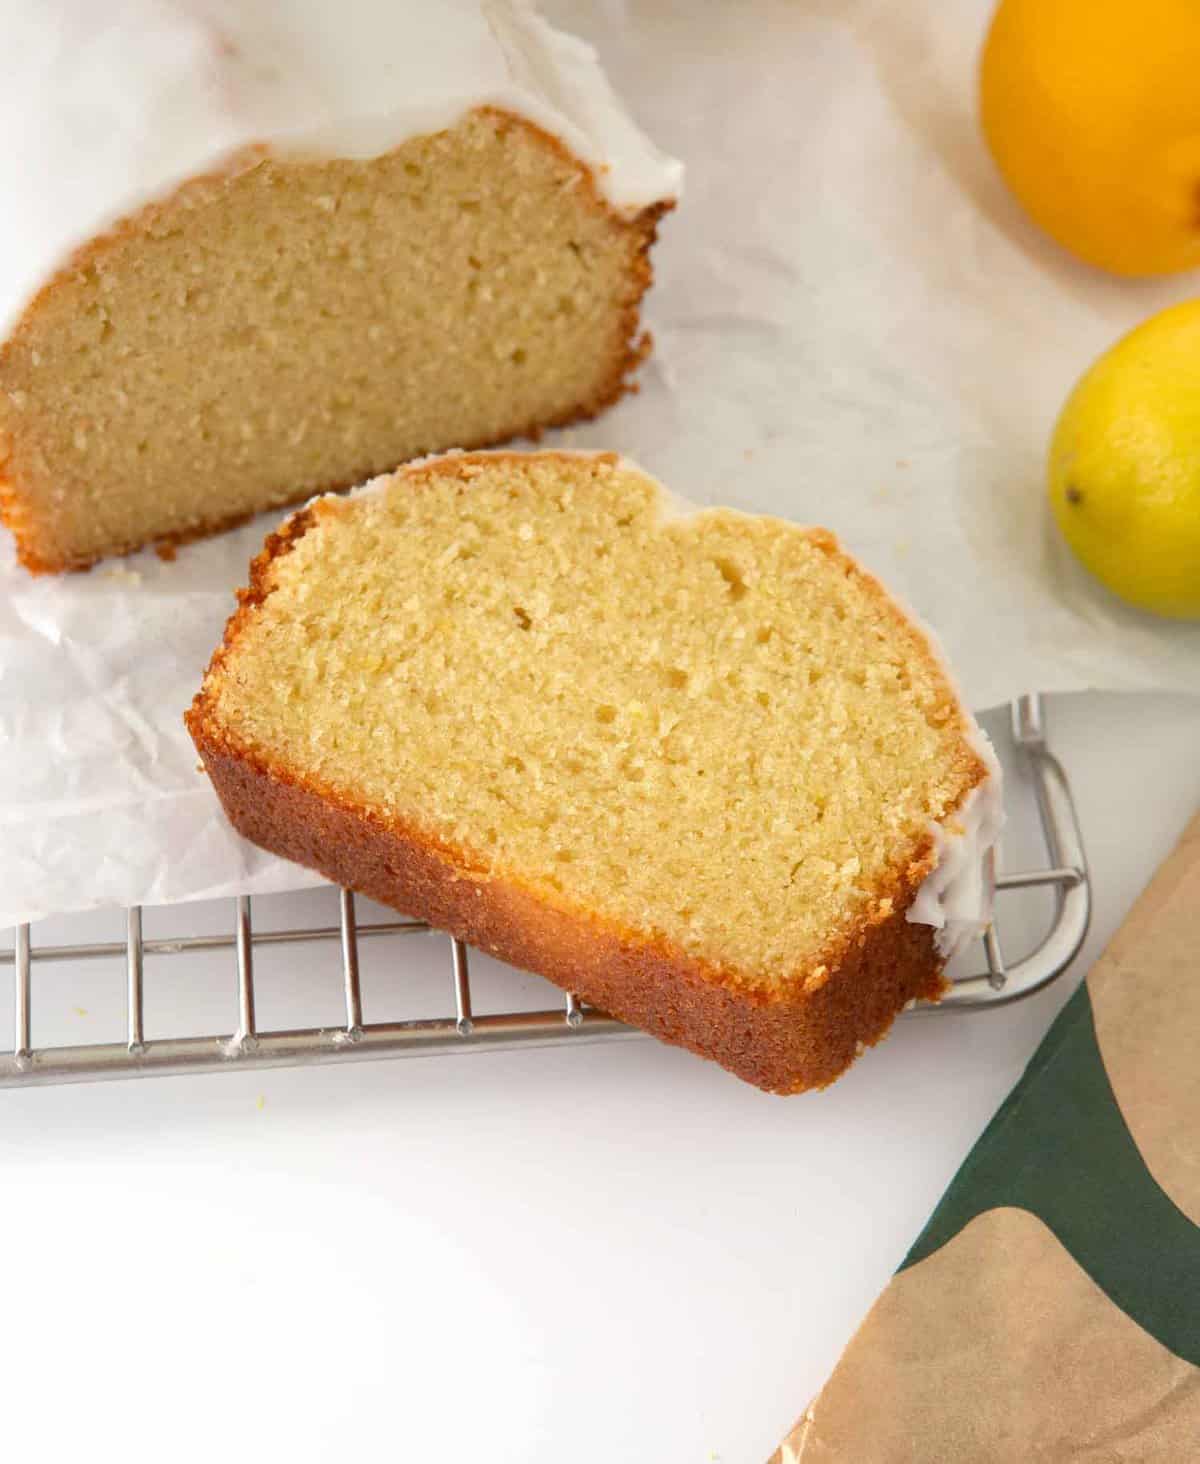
(106, 107)
(956, 896)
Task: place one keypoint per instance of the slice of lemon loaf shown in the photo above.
(255, 251)
(697, 767)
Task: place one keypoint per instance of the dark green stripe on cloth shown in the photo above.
(1059, 1147)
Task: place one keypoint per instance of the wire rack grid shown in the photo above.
(569, 1020)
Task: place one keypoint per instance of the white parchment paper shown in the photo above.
(855, 326)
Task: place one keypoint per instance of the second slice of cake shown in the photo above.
(256, 251)
(698, 767)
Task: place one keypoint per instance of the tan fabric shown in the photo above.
(1145, 994)
(998, 1349)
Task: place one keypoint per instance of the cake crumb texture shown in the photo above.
(291, 326)
(685, 764)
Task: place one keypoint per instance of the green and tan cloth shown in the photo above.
(1050, 1310)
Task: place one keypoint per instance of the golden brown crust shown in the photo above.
(783, 1044)
(634, 346)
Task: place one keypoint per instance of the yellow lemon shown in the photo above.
(1091, 109)
(1124, 471)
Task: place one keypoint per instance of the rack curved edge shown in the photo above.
(1067, 872)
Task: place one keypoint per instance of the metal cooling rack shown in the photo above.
(245, 1046)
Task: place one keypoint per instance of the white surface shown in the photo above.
(604, 1254)
(855, 327)
(618, 1253)
(108, 107)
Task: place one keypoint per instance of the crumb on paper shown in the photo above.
(123, 576)
(902, 547)
(260, 1102)
(902, 462)
(80, 1011)
(167, 552)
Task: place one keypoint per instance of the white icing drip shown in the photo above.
(565, 75)
(956, 896)
(106, 107)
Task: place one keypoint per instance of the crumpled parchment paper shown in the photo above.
(856, 326)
